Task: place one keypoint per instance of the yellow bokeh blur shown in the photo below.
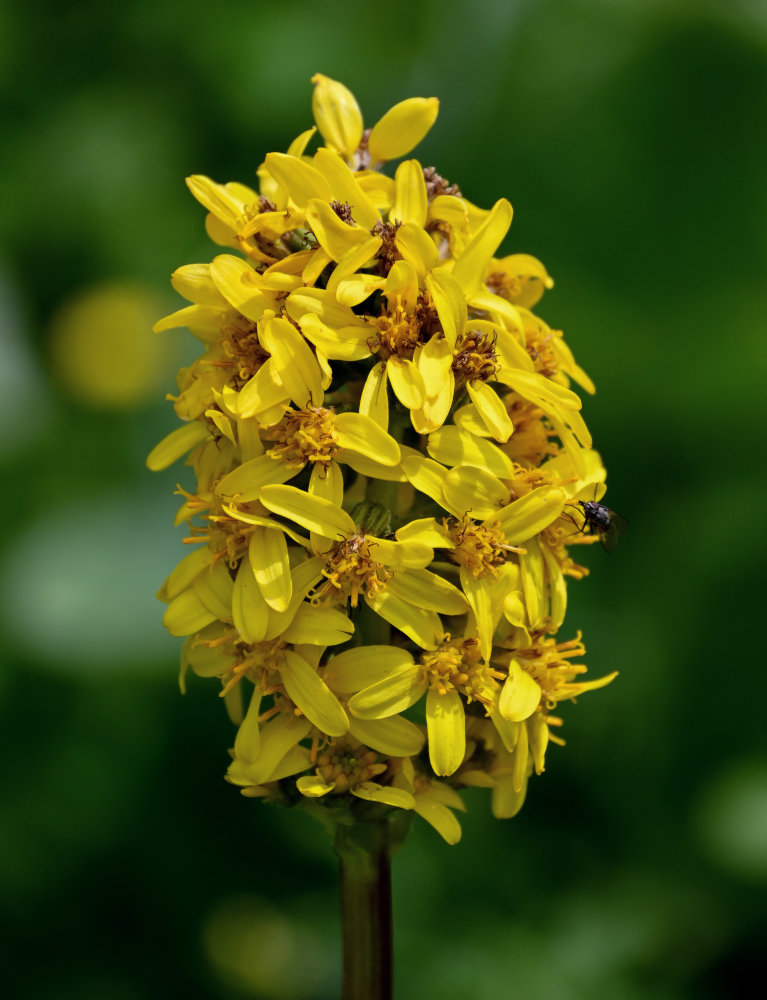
(103, 350)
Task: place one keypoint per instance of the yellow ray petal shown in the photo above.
(370, 467)
(491, 410)
(216, 198)
(304, 576)
(335, 236)
(407, 382)
(239, 283)
(348, 343)
(413, 555)
(471, 266)
(425, 530)
(298, 177)
(249, 609)
(384, 794)
(362, 434)
(479, 594)
(440, 817)
(374, 402)
(174, 445)
(520, 695)
(427, 476)
(390, 696)
(313, 787)
(420, 625)
(327, 483)
(262, 392)
(454, 446)
(401, 287)
(318, 626)
(296, 365)
(427, 590)
(278, 737)
(357, 257)
(506, 800)
(337, 114)
(410, 201)
(345, 188)
(402, 128)
(530, 514)
(186, 614)
(195, 283)
(395, 737)
(247, 742)
(417, 247)
(311, 694)
(182, 576)
(449, 301)
(214, 588)
(446, 728)
(313, 513)
(268, 554)
(354, 669)
(468, 488)
(539, 390)
(521, 752)
(245, 482)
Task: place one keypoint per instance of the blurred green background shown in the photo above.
(630, 137)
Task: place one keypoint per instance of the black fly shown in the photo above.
(604, 523)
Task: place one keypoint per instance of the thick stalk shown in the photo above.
(364, 851)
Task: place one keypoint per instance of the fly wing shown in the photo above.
(609, 536)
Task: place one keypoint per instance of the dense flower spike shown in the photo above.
(390, 461)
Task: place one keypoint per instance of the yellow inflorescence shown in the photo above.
(389, 453)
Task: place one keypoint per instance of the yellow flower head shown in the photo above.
(390, 469)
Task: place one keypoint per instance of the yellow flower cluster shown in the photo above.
(389, 459)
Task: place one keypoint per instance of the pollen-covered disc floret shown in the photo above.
(391, 468)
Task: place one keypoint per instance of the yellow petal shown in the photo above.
(182, 576)
(410, 199)
(402, 128)
(301, 179)
(370, 467)
(450, 303)
(247, 743)
(492, 411)
(531, 569)
(530, 514)
(395, 737)
(413, 555)
(311, 694)
(318, 626)
(313, 787)
(177, 443)
(471, 267)
(450, 209)
(427, 590)
(186, 614)
(299, 144)
(446, 728)
(214, 588)
(245, 482)
(557, 589)
(468, 488)
(385, 794)
(249, 609)
(407, 382)
(354, 669)
(337, 114)
(401, 287)
(335, 236)
(216, 198)
(506, 800)
(362, 434)
(422, 626)
(345, 188)
(425, 530)
(239, 283)
(313, 513)
(374, 402)
(195, 283)
(296, 364)
(304, 576)
(539, 390)
(454, 446)
(417, 247)
(520, 759)
(520, 695)
(268, 554)
(327, 483)
(427, 476)
(389, 696)
(356, 257)
(349, 343)
(479, 594)
(278, 737)
(262, 392)
(440, 817)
